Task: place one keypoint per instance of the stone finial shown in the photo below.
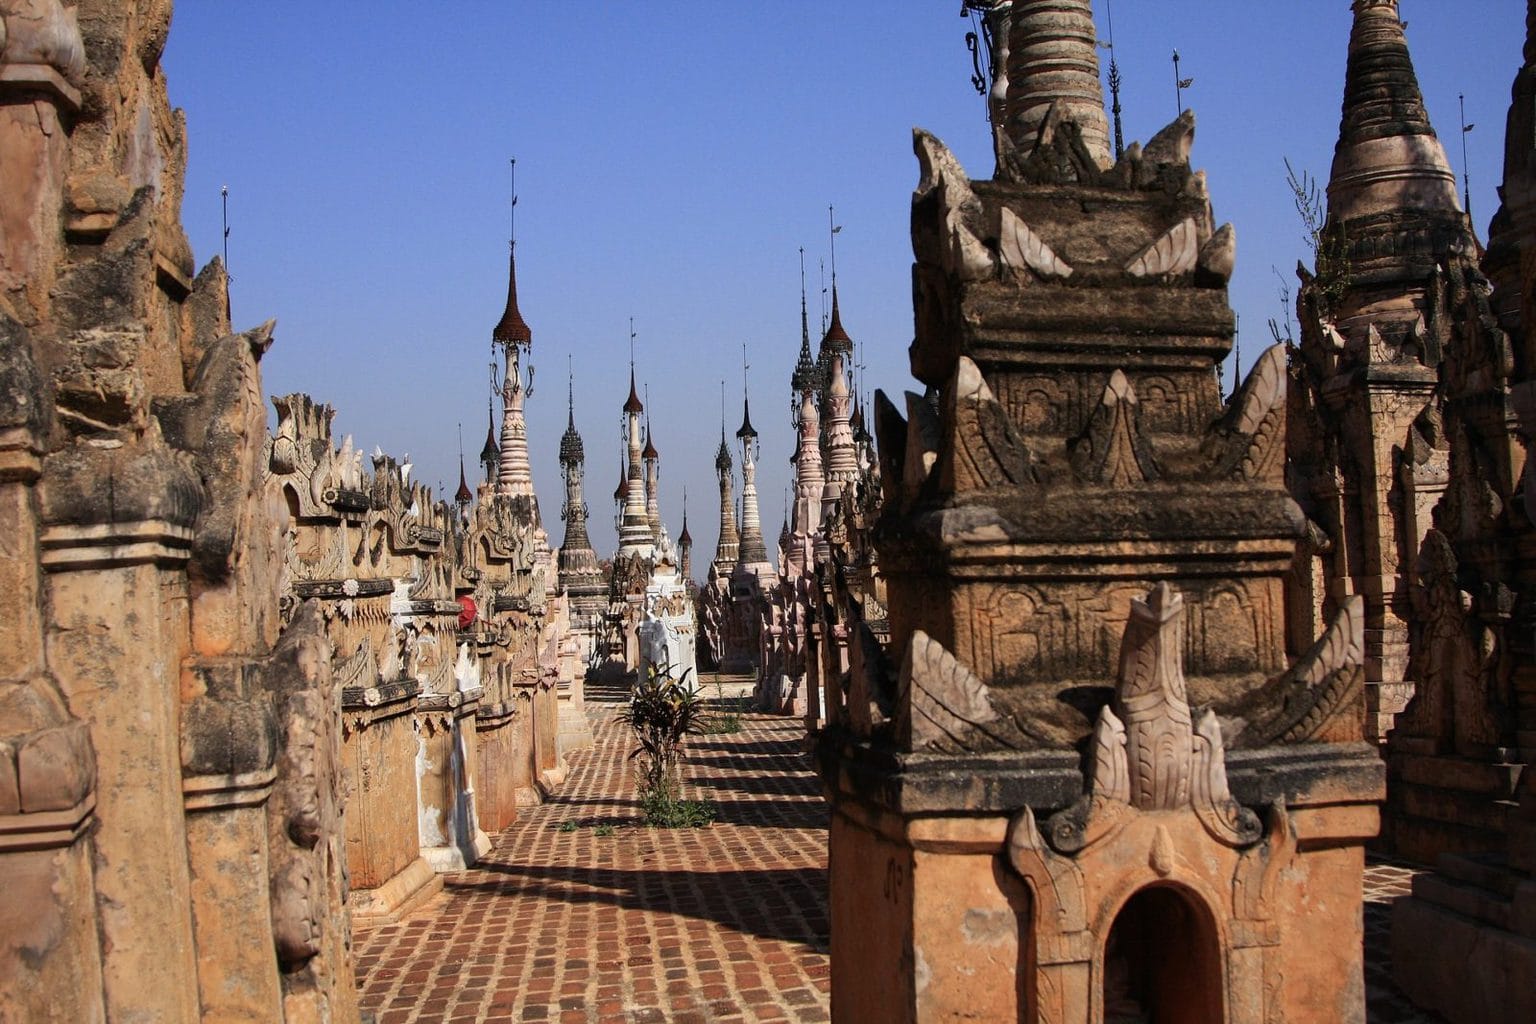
(1053, 61)
(1387, 157)
(512, 328)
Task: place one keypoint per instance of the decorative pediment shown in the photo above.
(1249, 442)
(984, 449)
(1112, 449)
(1147, 755)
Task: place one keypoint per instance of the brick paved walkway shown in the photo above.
(565, 923)
(580, 915)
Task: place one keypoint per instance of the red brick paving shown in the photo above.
(692, 926)
(722, 924)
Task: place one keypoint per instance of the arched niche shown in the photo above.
(1162, 961)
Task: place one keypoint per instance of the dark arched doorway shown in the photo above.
(1162, 962)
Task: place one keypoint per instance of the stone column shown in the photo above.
(118, 526)
(50, 955)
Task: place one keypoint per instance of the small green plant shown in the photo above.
(568, 826)
(718, 724)
(662, 812)
(603, 831)
(663, 712)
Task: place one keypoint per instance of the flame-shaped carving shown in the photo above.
(1021, 248)
(1176, 252)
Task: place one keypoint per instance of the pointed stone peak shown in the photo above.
(463, 495)
(1053, 62)
(622, 491)
(513, 329)
(650, 452)
(836, 338)
(805, 377)
(746, 433)
(491, 453)
(723, 461)
(633, 404)
(571, 449)
(1387, 158)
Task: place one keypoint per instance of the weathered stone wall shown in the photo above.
(173, 787)
(234, 669)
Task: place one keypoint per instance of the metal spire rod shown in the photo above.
(1114, 81)
(224, 195)
(822, 264)
(1237, 353)
(1466, 170)
(512, 225)
(832, 230)
(1179, 84)
(631, 346)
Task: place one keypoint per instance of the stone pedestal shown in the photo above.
(389, 877)
(450, 834)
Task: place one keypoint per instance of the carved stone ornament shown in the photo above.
(1248, 443)
(942, 705)
(1022, 249)
(959, 250)
(1149, 758)
(987, 450)
(1176, 252)
(1112, 449)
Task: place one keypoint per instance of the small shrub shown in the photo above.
(719, 724)
(603, 831)
(662, 811)
(568, 826)
(663, 712)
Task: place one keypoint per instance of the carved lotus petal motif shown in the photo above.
(1225, 820)
(1020, 247)
(1111, 773)
(987, 450)
(1176, 252)
(1219, 255)
(1318, 696)
(944, 698)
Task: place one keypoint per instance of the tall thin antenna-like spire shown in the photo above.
(1114, 81)
(1179, 84)
(1466, 169)
(832, 231)
(512, 207)
(823, 266)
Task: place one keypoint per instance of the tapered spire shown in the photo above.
(512, 329)
(463, 495)
(1393, 208)
(1387, 157)
(635, 533)
(1053, 60)
(490, 455)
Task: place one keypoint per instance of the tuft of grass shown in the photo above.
(718, 724)
(568, 826)
(661, 811)
(603, 831)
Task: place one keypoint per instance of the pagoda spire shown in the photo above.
(579, 573)
(635, 535)
(753, 549)
(1387, 157)
(685, 544)
(652, 459)
(728, 549)
(1053, 62)
(514, 475)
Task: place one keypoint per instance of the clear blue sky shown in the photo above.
(671, 160)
